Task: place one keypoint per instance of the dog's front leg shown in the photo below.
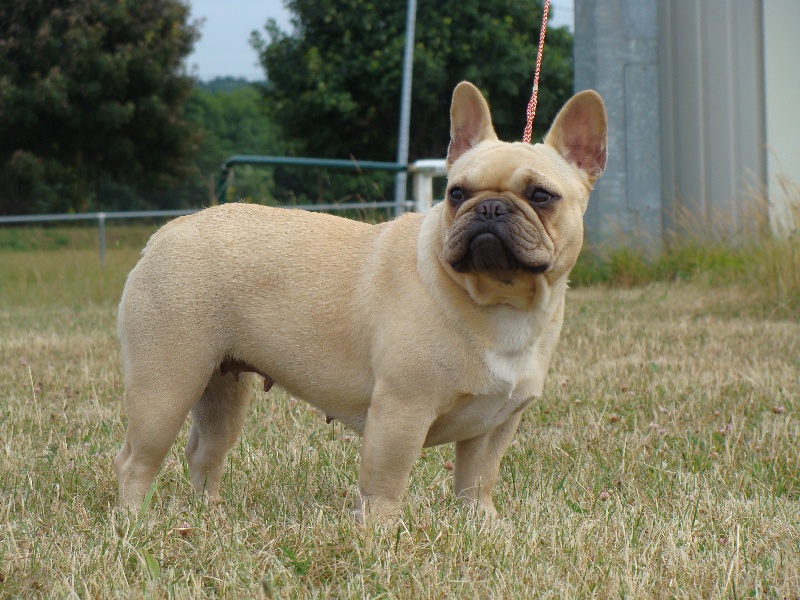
(393, 437)
(478, 464)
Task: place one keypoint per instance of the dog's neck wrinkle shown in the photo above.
(439, 283)
(501, 319)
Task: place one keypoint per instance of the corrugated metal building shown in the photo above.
(704, 107)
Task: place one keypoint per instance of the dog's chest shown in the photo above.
(513, 369)
(512, 381)
(512, 373)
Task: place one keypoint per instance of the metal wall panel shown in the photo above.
(712, 112)
(616, 54)
(683, 82)
(781, 22)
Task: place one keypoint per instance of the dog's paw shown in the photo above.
(374, 510)
(480, 508)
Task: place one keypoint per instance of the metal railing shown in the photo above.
(228, 168)
(422, 171)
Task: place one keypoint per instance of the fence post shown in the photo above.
(423, 191)
(424, 172)
(400, 193)
(101, 230)
(222, 192)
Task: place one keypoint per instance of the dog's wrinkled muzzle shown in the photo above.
(495, 237)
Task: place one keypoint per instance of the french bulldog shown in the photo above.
(429, 329)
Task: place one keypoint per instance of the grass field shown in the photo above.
(663, 461)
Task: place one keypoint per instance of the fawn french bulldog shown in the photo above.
(429, 329)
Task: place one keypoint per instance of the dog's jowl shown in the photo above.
(425, 330)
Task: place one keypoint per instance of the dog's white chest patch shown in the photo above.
(514, 374)
(514, 369)
(514, 353)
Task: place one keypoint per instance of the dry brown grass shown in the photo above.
(662, 461)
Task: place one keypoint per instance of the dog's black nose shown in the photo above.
(492, 208)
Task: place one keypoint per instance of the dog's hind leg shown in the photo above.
(156, 407)
(217, 421)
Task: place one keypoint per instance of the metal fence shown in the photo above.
(423, 173)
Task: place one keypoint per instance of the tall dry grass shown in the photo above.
(732, 246)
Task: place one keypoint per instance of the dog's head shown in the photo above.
(513, 212)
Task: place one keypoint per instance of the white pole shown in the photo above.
(101, 231)
(405, 109)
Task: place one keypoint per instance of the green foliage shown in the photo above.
(333, 85)
(627, 267)
(228, 115)
(231, 117)
(223, 84)
(91, 92)
(232, 121)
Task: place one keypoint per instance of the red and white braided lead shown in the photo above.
(526, 137)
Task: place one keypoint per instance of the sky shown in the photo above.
(223, 49)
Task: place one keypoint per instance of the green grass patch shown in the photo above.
(78, 237)
(628, 267)
(68, 277)
(62, 265)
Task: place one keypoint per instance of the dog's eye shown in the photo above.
(540, 196)
(456, 195)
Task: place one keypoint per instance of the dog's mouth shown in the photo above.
(489, 253)
(496, 246)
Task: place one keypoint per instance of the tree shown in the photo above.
(230, 116)
(333, 85)
(92, 91)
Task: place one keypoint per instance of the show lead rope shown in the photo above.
(526, 137)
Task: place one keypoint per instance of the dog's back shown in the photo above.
(217, 276)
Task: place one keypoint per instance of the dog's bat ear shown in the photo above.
(580, 133)
(470, 121)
